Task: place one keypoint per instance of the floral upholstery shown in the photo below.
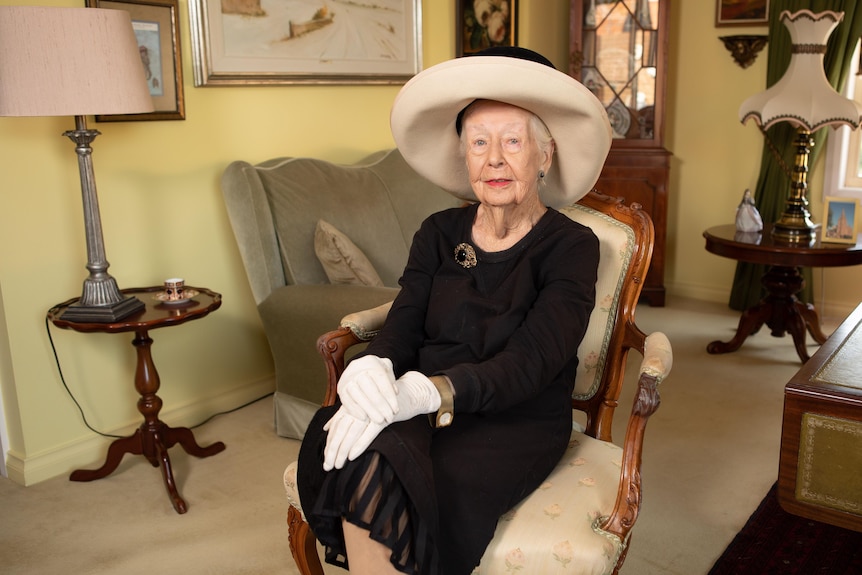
(615, 250)
(557, 525)
(556, 531)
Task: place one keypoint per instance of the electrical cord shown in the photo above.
(104, 434)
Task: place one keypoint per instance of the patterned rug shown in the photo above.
(776, 542)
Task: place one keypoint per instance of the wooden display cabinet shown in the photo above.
(618, 49)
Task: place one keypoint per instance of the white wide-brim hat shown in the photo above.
(424, 115)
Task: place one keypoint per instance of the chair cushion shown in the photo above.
(557, 528)
(343, 262)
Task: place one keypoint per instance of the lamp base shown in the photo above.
(795, 227)
(110, 313)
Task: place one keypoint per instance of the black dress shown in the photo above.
(506, 332)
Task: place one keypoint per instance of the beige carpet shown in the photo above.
(711, 455)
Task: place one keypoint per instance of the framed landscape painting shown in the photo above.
(742, 12)
(255, 42)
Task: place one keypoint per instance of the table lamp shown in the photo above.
(804, 98)
(76, 62)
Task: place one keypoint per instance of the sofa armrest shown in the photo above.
(294, 316)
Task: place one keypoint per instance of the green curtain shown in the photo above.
(773, 183)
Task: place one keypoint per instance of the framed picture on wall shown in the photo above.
(742, 12)
(840, 220)
(261, 42)
(481, 24)
(157, 31)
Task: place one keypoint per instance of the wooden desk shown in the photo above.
(154, 437)
(820, 469)
(780, 310)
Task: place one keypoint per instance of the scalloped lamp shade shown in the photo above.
(803, 96)
(69, 62)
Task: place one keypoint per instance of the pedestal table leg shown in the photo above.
(153, 438)
(780, 310)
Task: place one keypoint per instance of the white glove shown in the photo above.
(367, 389)
(348, 437)
(416, 395)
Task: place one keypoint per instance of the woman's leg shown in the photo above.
(365, 555)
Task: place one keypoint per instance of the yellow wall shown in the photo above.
(163, 216)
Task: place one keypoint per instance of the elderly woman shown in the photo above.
(484, 333)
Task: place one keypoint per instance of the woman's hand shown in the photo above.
(417, 395)
(367, 389)
(348, 438)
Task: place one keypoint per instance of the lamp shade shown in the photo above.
(70, 62)
(803, 96)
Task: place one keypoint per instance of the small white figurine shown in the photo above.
(747, 217)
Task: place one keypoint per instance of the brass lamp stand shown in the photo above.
(795, 223)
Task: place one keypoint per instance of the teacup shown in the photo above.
(175, 289)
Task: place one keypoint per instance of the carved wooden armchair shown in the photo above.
(581, 518)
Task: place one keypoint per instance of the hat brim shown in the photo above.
(425, 110)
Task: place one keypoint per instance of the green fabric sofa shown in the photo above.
(274, 208)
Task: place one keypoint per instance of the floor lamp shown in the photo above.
(804, 98)
(76, 62)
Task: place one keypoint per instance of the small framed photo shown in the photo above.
(742, 13)
(157, 30)
(840, 220)
(485, 23)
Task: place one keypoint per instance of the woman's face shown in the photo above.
(503, 158)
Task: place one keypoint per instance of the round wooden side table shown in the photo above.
(154, 437)
(780, 309)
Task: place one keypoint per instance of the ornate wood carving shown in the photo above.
(744, 49)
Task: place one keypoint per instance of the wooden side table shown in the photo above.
(154, 437)
(780, 310)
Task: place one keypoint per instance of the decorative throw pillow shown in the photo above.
(343, 262)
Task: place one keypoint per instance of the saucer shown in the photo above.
(163, 297)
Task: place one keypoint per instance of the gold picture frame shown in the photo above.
(237, 42)
(741, 12)
(497, 26)
(156, 27)
(840, 220)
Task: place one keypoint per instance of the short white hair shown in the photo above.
(540, 132)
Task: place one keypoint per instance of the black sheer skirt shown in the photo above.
(367, 493)
(432, 496)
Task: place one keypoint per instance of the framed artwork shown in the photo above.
(157, 29)
(840, 220)
(260, 42)
(742, 13)
(481, 24)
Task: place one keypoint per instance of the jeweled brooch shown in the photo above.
(465, 255)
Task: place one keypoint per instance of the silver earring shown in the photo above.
(541, 174)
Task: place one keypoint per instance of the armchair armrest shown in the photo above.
(656, 365)
(358, 327)
(366, 323)
(658, 356)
